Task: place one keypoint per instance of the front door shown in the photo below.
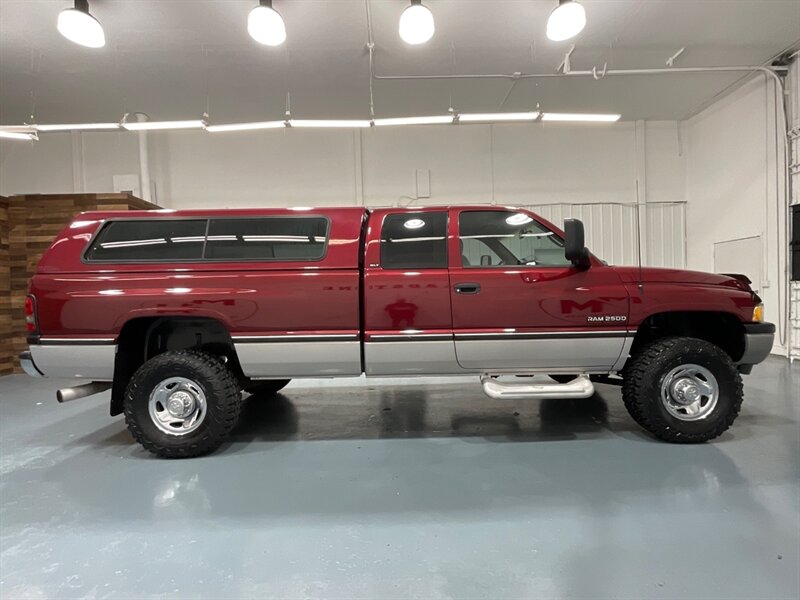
(519, 304)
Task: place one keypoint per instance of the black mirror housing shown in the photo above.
(575, 249)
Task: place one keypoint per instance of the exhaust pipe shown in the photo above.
(81, 391)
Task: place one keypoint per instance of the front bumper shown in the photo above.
(758, 339)
(27, 364)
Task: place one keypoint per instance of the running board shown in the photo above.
(580, 387)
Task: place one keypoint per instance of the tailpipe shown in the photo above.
(81, 391)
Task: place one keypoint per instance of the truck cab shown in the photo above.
(180, 312)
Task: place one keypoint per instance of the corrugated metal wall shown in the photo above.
(612, 230)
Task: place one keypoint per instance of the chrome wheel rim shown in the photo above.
(689, 392)
(177, 406)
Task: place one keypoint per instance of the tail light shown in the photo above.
(31, 323)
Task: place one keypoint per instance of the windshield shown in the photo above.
(503, 238)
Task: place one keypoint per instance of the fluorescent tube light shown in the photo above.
(489, 117)
(17, 135)
(155, 125)
(580, 117)
(246, 126)
(76, 126)
(328, 123)
(437, 120)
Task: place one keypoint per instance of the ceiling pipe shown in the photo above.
(568, 72)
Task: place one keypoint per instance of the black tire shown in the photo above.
(267, 387)
(646, 371)
(222, 395)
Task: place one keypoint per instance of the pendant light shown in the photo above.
(265, 25)
(566, 21)
(77, 25)
(416, 24)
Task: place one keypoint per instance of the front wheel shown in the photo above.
(682, 390)
(182, 404)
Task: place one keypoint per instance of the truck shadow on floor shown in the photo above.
(418, 412)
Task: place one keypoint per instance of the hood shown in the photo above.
(681, 276)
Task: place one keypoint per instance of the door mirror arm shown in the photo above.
(575, 249)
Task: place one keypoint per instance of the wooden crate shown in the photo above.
(33, 221)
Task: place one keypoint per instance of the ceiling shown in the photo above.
(177, 59)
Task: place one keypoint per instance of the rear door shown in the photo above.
(519, 304)
(406, 294)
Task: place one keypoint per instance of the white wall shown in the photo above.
(734, 187)
(520, 164)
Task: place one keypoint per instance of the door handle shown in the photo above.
(467, 288)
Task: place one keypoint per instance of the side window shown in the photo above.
(267, 238)
(162, 240)
(493, 238)
(414, 241)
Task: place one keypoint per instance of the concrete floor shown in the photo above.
(424, 488)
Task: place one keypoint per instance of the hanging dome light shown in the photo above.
(77, 25)
(265, 24)
(416, 23)
(566, 21)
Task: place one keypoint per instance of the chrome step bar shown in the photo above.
(580, 387)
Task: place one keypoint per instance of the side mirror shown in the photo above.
(575, 249)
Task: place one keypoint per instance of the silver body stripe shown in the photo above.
(421, 357)
(83, 361)
(296, 337)
(595, 353)
(524, 334)
(76, 341)
(292, 359)
(427, 337)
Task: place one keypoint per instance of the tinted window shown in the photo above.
(149, 239)
(414, 241)
(270, 238)
(501, 238)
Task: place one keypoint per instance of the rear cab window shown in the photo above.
(276, 238)
(414, 241)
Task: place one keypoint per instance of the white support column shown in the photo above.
(78, 172)
(358, 167)
(144, 162)
(640, 175)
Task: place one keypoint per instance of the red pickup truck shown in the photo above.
(179, 312)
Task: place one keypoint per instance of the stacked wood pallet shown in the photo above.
(6, 354)
(33, 221)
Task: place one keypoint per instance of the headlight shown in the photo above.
(758, 313)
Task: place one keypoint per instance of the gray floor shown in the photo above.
(351, 489)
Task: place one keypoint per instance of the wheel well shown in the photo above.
(143, 338)
(719, 328)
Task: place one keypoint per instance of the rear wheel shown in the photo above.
(182, 404)
(682, 390)
(267, 387)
